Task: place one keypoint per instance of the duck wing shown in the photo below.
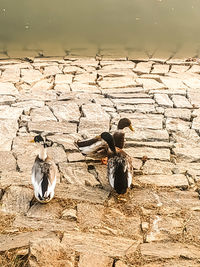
(95, 147)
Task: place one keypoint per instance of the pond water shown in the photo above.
(71, 24)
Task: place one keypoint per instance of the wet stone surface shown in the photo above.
(86, 224)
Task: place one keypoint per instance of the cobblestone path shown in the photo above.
(86, 225)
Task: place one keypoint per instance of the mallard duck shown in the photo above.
(119, 167)
(44, 173)
(97, 147)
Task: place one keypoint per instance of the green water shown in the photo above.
(37, 24)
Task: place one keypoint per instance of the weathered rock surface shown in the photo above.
(156, 223)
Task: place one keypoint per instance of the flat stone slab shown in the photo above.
(77, 173)
(149, 152)
(175, 124)
(109, 246)
(146, 121)
(42, 114)
(181, 101)
(133, 101)
(176, 180)
(48, 224)
(163, 100)
(94, 260)
(81, 193)
(158, 167)
(53, 127)
(148, 135)
(184, 114)
(7, 161)
(8, 129)
(16, 200)
(117, 82)
(173, 83)
(9, 242)
(66, 111)
(8, 89)
(169, 250)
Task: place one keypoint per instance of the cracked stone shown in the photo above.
(150, 84)
(8, 178)
(143, 67)
(149, 152)
(49, 224)
(133, 101)
(117, 82)
(51, 70)
(193, 83)
(62, 88)
(109, 246)
(89, 216)
(196, 123)
(81, 193)
(173, 83)
(194, 97)
(88, 78)
(31, 76)
(66, 111)
(82, 87)
(142, 108)
(148, 135)
(181, 101)
(164, 228)
(63, 78)
(16, 200)
(169, 250)
(53, 127)
(96, 127)
(94, 112)
(177, 124)
(7, 161)
(163, 100)
(94, 260)
(72, 70)
(28, 105)
(10, 113)
(157, 167)
(50, 252)
(184, 114)
(42, 114)
(169, 91)
(9, 242)
(73, 171)
(8, 89)
(146, 121)
(127, 226)
(11, 74)
(187, 152)
(176, 180)
(8, 130)
(160, 68)
(42, 85)
(179, 68)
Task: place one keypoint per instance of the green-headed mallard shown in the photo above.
(119, 167)
(97, 147)
(44, 173)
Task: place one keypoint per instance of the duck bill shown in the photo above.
(32, 141)
(131, 128)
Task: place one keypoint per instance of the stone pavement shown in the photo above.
(157, 222)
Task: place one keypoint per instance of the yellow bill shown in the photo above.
(131, 128)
